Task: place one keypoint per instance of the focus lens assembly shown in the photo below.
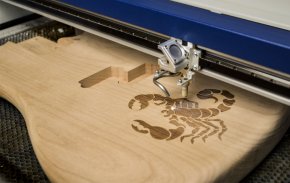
(175, 52)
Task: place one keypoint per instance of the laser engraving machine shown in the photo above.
(244, 43)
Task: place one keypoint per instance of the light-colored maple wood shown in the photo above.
(85, 133)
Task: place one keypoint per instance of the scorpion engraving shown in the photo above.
(184, 113)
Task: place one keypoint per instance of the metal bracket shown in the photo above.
(177, 56)
(195, 60)
(193, 66)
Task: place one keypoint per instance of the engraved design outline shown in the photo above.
(184, 113)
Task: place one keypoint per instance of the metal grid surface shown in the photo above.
(18, 162)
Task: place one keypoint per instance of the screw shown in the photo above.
(60, 30)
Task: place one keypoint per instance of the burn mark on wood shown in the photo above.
(229, 102)
(227, 94)
(223, 108)
(183, 113)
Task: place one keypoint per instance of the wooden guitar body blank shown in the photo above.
(94, 115)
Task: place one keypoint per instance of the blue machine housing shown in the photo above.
(261, 44)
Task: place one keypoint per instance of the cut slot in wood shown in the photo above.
(119, 73)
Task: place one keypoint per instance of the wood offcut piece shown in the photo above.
(94, 115)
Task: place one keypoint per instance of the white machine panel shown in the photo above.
(269, 12)
(9, 12)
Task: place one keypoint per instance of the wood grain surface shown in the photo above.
(94, 115)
